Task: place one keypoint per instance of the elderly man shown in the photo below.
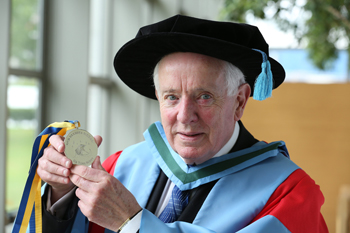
(199, 170)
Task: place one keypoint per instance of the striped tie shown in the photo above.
(177, 203)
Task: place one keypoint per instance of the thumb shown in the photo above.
(97, 164)
(98, 140)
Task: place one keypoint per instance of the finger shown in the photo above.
(56, 169)
(83, 184)
(86, 196)
(90, 206)
(97, 164)
(52, 179)
(98, 140)
(51, 154)
(57, 142)
(91, 174)
(88, 210)
(78, 181)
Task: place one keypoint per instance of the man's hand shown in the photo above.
(103, 199)
(54, 167)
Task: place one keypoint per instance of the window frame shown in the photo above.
(5, 19)
(5, 72)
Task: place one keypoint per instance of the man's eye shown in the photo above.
(171, 97)
(205, 96)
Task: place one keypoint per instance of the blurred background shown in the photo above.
(56, 64)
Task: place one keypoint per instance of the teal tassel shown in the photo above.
(264, 83)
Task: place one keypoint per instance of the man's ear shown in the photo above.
(242, 99)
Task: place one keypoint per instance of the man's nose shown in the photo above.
(187, 112)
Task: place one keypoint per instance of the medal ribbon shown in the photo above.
(30, 207)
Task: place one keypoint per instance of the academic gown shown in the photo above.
(293, 206)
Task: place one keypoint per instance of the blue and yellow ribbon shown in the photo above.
(30, 207)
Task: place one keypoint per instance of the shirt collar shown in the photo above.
(228, 146)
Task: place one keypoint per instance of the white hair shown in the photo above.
(234, 78)
(233, 75)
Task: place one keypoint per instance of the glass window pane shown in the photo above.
(22, 103)
(25, 50)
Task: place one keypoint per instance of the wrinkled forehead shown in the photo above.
(198, 65)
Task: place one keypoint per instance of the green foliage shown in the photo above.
(24, 33)
(21, 114)
(22, 81)
(321, 23)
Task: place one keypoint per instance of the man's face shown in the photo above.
(197, 115)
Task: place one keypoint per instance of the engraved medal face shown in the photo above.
(81, 147)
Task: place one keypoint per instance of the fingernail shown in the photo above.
(65, 172)
(67, 163)
(60, 147)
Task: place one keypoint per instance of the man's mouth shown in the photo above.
(189, 135)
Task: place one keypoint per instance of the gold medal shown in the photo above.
(81, 147)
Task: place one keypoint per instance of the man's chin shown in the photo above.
(191, 158)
